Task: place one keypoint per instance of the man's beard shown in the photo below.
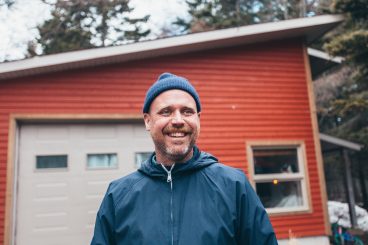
(175, 153)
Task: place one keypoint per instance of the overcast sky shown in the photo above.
(17, 26)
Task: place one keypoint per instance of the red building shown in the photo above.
(71, 122)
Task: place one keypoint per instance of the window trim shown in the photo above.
(302, 176)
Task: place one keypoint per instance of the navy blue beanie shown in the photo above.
(168, 81)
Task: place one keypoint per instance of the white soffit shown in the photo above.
(325, 56)
(310, 28)
(340, 142)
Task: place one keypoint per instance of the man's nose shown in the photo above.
(177, 119)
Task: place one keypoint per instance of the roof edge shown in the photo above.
(311, 27)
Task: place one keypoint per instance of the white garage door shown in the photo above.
(63, 173)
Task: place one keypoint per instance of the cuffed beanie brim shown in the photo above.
(168, 81)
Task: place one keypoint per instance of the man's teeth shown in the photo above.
(178, 134)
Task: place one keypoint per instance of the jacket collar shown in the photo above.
(198, 161)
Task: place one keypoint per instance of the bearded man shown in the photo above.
(180, 195)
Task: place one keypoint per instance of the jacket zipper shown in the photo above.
(169, 180)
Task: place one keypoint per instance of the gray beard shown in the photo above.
(173, 155)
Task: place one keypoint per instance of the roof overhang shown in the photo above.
(330, 143)
(309, 28)
(321, 61)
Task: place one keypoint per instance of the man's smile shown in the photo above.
(177, 134)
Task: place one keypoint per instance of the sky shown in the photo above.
(18, 25)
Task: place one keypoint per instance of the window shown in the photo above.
(102, 161)
(278, 173)
(51, 162)
(140, 157)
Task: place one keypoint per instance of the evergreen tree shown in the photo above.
(274, 10)
(7, 3)
(346, 115)
(85, 24)
(218, 14)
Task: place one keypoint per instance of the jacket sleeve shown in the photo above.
(254, 226)
(105, 222)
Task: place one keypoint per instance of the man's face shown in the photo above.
(173, 122)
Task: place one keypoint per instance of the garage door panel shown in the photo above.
(90, 215)
(50, 133)
(47, 239)
(51, 189)
(50, 221)
(98, 187)
(101, 132)
(59, 205)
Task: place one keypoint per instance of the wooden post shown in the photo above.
(362, 181)
(350, 188)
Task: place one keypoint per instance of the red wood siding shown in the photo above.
(254, 92)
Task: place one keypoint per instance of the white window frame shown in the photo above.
(301, 177)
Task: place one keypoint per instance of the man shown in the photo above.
(180, 195)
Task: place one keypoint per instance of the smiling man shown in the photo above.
(180, 195)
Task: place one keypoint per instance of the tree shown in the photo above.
(348, 110)
(274, 10)
(218, 14)
(342, 94)
(85, 24)
(352, 42)
(7, 3)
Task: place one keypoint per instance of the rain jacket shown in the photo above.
(200, 202)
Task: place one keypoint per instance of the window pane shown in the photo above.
(56, 161)
(280, 194)
(140, 157)
(271, 161)
(102, 161)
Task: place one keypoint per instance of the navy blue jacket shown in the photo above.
(206, 203)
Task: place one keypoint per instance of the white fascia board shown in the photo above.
(325, 56)
(340, 142)
(173, 45)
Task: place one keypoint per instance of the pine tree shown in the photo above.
(346, 115)
(7, 3)
(83, 24)
(218, 14)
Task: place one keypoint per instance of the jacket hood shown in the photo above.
(199, 160)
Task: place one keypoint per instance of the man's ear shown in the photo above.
(199, 115)
(147, 120)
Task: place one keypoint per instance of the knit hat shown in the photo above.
(168, 81)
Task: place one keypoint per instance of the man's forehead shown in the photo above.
(174, 97)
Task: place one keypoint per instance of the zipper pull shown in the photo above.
(169, 179)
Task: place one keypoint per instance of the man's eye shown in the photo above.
(188, 112)
(165, 112)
